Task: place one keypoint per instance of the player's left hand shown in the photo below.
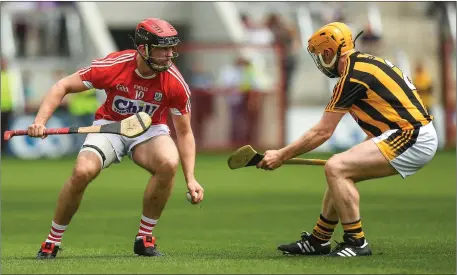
(272, 160)
(196, 191)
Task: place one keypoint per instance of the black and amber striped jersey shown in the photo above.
(378, 95)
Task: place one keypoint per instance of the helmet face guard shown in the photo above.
(152, 34)
(330, 69)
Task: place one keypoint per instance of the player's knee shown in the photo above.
(334, 167)
(83, 173)
(168, 166)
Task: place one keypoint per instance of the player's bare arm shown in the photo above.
(52, 99)
(186, 148)
(312, 139)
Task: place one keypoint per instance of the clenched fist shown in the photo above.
(272, 159)
(37, 131)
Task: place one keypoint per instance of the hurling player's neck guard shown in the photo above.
(152, 34)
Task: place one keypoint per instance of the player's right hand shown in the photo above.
(37, 130)
(272, 159)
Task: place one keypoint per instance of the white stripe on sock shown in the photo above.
(147, 227)
(57, 233)
(58, 226)
(144, 232)
(148, 220)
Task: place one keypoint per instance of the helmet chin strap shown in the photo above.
(332, 68)
(329, 66)
(146, 59)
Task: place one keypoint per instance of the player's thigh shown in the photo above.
(156, 154)
(87, 166)
(361, 162)
(102, 149)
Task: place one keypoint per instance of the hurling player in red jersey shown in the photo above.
(144, 79)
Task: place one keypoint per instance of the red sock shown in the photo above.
(146, 226)
(56, 233)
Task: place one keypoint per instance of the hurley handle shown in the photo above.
(305, 161)
(56, 131)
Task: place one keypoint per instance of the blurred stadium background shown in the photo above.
(251, 76)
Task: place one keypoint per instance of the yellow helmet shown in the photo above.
(335, 36)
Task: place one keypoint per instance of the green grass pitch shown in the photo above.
(410, 224)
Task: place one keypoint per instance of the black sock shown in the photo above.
(354, 231)
(323, 230)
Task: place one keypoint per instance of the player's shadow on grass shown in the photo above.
(207, 255)
(72, 257)
(200, 256)
(166, 257)
(236, 255)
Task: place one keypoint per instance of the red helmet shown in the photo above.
(155, 33)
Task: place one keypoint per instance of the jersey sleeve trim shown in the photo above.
(175, 112)
(88, 84)
(83, 77)
(337, 110)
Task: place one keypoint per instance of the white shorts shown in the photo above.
(111, 148)
(408, 150)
